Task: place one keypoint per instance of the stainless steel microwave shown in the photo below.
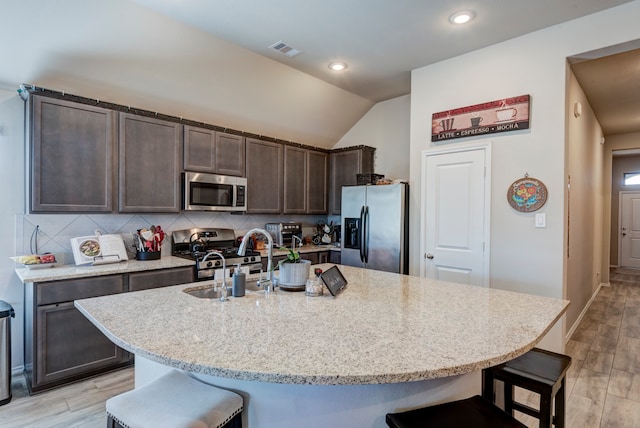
(211, 192)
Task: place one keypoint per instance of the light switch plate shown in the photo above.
(541, 220)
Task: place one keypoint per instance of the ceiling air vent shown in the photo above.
(285, 49)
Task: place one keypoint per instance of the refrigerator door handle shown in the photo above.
(365, 232)
(361, 233)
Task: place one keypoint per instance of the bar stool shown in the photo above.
(539, 371)
(473, 412)
(175, 400)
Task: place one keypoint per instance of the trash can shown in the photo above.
(6, 312)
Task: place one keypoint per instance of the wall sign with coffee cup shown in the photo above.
(509, 114)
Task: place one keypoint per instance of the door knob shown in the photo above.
(429, 256)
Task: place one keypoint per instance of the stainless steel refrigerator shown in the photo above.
(375, 227)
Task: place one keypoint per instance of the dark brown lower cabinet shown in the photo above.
(69, 346)
(61, 345)
(160, 278)
(315, 258)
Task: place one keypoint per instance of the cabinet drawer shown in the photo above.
(66, 291)
(160, 278)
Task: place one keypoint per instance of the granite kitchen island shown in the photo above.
(389, 342)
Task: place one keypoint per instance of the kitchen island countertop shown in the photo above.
(384, 328)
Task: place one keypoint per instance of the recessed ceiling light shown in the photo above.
(461, 17)
(338, 66)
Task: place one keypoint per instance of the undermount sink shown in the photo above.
(212, 293)
(206, 293)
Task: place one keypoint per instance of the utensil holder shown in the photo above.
(148, 255)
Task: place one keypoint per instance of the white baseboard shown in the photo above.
(584, 311)
(17, 371)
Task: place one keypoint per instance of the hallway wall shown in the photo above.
(584, 154)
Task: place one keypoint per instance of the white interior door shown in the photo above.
(629, 229)
(455, 209)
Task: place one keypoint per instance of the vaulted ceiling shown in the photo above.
(211, 61)
(380, 40)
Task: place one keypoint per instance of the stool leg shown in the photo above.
(508, 397)
(111, 423)
(488, 386)
(559, 403)
(546, 415)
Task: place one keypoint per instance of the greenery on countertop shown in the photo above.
(292, 257)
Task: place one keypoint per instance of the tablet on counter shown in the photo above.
(334, 280)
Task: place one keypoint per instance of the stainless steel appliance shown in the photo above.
(194, 244)
(283, 233)
(211, 192)
(375, 227)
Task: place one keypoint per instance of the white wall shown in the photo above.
(523, 258)
(11, 182)
(121, 52)
(385, 127)
(584, 164)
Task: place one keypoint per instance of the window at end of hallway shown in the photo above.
(631, 178)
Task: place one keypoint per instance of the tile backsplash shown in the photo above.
(54, 231)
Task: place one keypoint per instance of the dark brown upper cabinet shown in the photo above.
(150, 157)
(72, 156)
(305, 181)
(345, 164)
(295, 180)
(206, 150)
(317, 182)
(264, 161)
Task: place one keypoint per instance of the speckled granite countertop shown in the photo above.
(384, 328)
(59, 272)
(304, 249)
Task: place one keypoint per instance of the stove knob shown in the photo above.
(246, 259)
(253, 259)
(209, 264)
(218, 263)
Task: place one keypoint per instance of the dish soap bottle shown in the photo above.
(238, 282)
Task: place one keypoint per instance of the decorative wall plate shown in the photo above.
(527, 194)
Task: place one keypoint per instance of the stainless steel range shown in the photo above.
(194, 244)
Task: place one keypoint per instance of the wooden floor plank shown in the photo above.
(81, 404)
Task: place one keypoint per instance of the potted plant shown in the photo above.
(294, 271)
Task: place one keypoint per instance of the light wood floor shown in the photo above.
(603, 383)
(80, 405)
